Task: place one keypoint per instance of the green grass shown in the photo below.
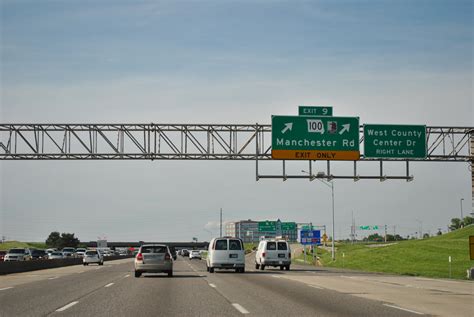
(427, 257)
(16, 244)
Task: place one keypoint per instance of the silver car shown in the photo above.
(153, 258)
(92, 256)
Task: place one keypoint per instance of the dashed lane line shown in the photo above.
(240, 308)
(212, 285)
(5, 288)
(53, 278)
(66, 307)
(404, 309)
(128, 275)
(108, 285)
(315, 286)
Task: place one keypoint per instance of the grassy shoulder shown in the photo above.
(427, 257)
(16, 244)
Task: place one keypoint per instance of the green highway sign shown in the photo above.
(288, 226)
(315, 138)
(315, 111)
(369, 227)
(394, 141)
(268, 226)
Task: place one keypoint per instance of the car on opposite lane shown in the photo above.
(2, 255)
(69, 252)
(92, 256)
(153, 258)
(195, 254)
(17, 254)
(55, 255)
(38, 254)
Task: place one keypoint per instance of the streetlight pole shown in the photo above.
(220, 231)
(460, 201)
(331, 185)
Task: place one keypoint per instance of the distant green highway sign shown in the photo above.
(315, 111)
(315, 138)
(394, 141)
(267, 226)
(369, 227)
(288, 226)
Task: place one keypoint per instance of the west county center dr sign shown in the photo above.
(315, 138)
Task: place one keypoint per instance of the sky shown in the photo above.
(238, 62)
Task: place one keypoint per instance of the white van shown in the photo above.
(226, 253)
(273, 253)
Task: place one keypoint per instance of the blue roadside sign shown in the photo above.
(310, 237)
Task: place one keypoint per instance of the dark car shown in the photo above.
(37, 254)
(185, 252)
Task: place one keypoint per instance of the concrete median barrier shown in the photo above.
(25, 266)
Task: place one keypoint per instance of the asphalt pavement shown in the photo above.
(112, 290)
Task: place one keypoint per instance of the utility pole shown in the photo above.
(221, 225)
(385, 233)
(460, 201)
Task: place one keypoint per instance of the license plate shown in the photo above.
(281, 255)
(233, 256)
(281, 262)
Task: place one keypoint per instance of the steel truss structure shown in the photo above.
(191, 142)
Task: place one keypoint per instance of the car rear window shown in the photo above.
(271, 246)
(154, 249)
(90, 253)
(235, 245)
(282, 246)
(221, 245)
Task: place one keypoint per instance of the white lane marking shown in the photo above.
(108, 285)
(5, 288)
(212, 285)
(276, 276)
(80, 272)
(240, 308)
(128, 275)
(67, 306)
(315, 286)
(408, 310)
(53, 278)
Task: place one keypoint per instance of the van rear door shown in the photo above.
(283, 252)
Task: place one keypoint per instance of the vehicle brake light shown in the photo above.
(167, 257)
(139, 257)
(263, 254)
(289, 255)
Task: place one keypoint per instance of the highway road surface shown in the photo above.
(112, 290)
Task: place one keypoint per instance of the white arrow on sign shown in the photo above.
(288, 126)
(345, 128)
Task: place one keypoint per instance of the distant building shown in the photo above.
(248, 230)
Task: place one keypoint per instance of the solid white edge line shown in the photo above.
(108, 285)
(212, 285)
(53, 278)
(408, 310)
(315, 286)
(240, 308)
(5, 288)
(67, 306)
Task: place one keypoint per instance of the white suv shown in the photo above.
(17, 254)
(226, 253)
(273, 253)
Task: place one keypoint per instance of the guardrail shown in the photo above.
(33, 265)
